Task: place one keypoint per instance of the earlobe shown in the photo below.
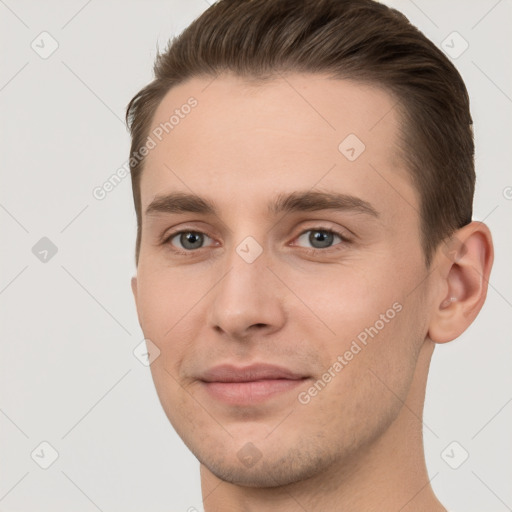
(464, 274)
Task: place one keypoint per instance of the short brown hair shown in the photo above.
(360, 40)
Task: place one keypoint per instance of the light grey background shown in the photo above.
(68, 375)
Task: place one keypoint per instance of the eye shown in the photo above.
(187, 240)
(321, 238)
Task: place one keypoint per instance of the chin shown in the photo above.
(271, 469)
(263, 476)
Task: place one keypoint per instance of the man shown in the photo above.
(303, 179)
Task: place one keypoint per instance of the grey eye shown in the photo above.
(190, 240)
(319, 238)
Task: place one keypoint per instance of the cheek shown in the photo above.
(349, 298)
(164, 297)
(164, 306)
(372, 319)
(377, 366)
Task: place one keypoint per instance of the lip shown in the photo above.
(249, 385)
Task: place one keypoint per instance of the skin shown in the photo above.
(357, 445)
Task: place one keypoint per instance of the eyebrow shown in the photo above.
(306, 201)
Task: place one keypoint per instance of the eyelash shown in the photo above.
(309, 250)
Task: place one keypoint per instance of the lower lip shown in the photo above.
(247, 393)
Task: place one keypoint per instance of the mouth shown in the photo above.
(249, 385)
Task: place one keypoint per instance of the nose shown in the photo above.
(248, 300)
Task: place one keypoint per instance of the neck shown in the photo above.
(389, 474)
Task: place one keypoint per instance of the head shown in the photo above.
(303, 180)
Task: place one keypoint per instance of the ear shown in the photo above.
(134, 287)
(134, 291)
(463, 265)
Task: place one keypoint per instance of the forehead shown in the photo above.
(241, 139)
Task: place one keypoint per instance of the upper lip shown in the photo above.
(231, 373)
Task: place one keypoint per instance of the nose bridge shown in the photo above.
(245, 296)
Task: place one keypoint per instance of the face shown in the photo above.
(289, 291)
